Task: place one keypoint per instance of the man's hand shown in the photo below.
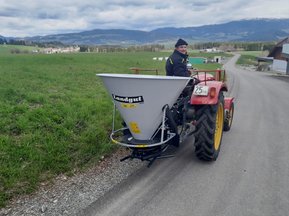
(192, 70)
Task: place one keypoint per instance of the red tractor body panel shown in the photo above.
(214, 89)
(228, 102)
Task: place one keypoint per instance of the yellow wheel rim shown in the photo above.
(219, 126)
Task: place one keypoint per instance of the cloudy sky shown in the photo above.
(20, 18)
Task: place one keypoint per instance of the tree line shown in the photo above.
(225, 46)
(231, 46)
(115, 48)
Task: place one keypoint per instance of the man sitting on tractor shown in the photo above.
(176, 64)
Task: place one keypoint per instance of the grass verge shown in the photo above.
(249, 57)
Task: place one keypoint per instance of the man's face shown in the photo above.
(182, 49)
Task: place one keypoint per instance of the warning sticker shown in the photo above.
(134, 127)
(128, 106)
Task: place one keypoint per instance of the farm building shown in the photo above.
(276, 52)
(276, 57)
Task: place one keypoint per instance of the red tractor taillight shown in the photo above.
(213, 92)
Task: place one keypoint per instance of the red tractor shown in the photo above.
(155, 119)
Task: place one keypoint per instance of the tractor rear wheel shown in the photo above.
(209, 130)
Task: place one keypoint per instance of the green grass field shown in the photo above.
(8, 49)
(249, 57)
(55, 113)
(254, 53)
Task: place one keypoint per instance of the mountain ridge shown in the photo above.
(264, 29)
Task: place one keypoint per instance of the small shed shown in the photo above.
(264, 63)
(218, 59)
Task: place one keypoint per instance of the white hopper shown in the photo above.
(140, 99)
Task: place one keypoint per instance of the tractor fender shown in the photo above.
(228, 102)
(211, 98)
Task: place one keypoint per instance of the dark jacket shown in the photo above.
(176, 65)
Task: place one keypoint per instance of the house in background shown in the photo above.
(280, 59)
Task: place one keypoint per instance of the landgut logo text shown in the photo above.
(126, 99)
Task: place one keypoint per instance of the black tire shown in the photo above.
(229, 118)
(208, 137)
